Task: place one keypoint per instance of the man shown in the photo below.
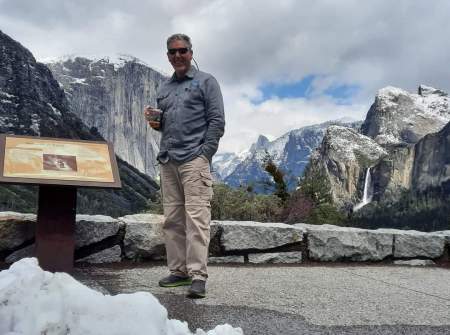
(192, 123)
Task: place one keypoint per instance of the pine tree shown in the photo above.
(315, 185)
(278, 177)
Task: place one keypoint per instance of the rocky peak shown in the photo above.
(348, 146)
(399, 117)
(427, 90)
(260, 144)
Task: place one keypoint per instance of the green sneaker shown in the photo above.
(174, 281)
(197, 289)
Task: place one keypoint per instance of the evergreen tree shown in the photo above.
(241, 205)
(278, 177)
(315, 185)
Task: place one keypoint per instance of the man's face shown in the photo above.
(180, 61)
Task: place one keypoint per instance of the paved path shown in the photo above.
(299, 299)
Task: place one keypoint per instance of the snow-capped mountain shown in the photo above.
(400, 117)
(224, 164)
(109, 94)
(290, 152)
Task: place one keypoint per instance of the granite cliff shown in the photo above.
(431, 167)
(110, 97)
(344, 157)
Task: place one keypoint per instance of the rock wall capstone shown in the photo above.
(139, 237)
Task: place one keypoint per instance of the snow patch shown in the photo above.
(7, 95)
(118, 61)
(55, 110)
(35, 302)
(81, 81)
(243, 154)
(347, 145)
(35, 124)
(391, 91)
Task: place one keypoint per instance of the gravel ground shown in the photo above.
(298, 299)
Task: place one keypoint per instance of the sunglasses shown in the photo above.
(181, 51)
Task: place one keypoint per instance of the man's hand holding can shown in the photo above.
(153, 117)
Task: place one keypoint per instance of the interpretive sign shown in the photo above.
(58, 166)
(37, 160)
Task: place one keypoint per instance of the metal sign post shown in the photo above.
(55, 240)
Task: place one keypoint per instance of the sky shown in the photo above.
(281, 64)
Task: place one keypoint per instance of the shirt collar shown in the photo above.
(190, 74)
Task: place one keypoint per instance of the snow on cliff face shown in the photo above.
(35, 302)
(344, 156)
(224, 164)
(346, 145)
(400, 117)
(110, 95)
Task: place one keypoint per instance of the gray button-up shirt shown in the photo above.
(193, 117)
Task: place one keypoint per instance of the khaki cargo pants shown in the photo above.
(187, 191)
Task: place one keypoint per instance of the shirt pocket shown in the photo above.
(162, 100)
(193, 97)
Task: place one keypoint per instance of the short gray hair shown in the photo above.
(180, 37)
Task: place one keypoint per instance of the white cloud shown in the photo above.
(245, 120)
(245, 44)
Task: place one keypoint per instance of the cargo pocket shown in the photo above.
(207, 182)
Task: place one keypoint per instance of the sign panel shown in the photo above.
(38, 160)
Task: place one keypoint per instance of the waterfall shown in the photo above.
(367, 194)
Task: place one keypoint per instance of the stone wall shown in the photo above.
(139, 237)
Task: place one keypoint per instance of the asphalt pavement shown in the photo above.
(302, 299)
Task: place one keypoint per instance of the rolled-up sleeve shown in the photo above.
(215, 117)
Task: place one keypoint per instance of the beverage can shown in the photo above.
(153, 114)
